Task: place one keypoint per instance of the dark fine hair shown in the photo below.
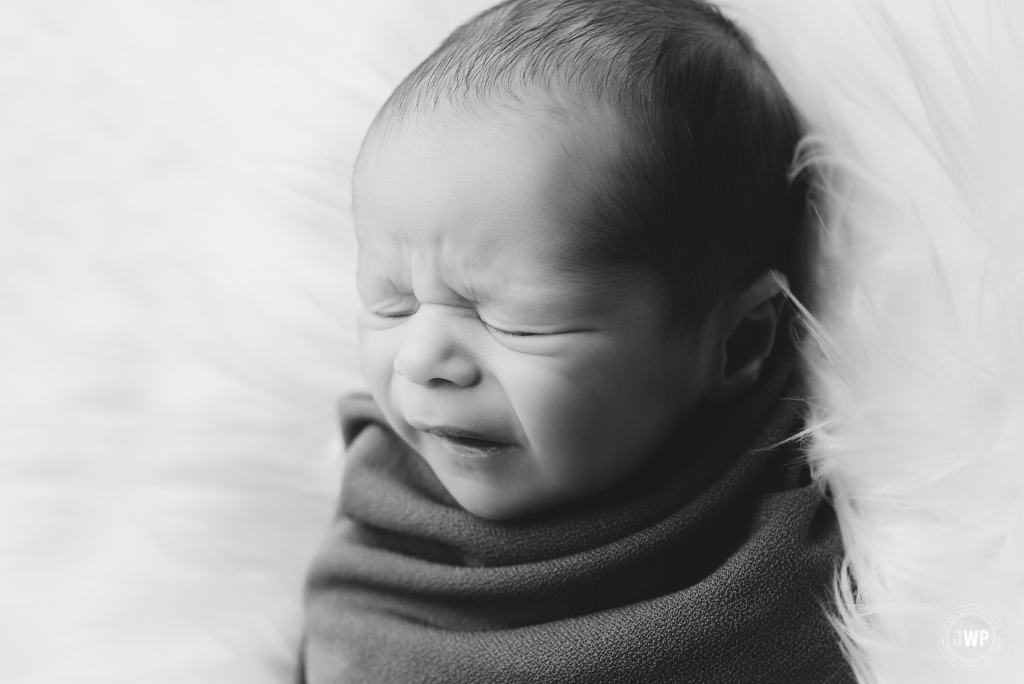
(702, 197)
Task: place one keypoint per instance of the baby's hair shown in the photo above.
(702, 196)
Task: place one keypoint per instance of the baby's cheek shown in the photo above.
(564, 417)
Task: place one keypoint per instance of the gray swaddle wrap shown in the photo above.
(710, 565)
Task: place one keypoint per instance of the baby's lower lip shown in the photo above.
(471, 447)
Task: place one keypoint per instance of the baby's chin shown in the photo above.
(495, 501)
(505, 485)
(497, 485)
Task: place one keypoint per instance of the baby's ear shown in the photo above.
(747, 335)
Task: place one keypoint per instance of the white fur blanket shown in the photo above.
(176, 305)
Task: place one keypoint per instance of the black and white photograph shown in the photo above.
(511, 342)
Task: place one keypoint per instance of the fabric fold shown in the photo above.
(709, 564)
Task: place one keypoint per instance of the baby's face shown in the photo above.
(522, 385)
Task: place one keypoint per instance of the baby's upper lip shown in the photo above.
(457, 432)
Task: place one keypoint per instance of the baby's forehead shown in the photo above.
(485, 202)
(567, 159)
(580, 128)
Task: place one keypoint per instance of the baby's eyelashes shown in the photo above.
(385, 317)
(509, 333)
(396, 315)
(500, 331)
(392, 307)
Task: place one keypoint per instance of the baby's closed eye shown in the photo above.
(510, 333)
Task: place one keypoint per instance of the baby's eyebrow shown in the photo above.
(476, 284)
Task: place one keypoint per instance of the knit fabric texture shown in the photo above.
(711, 564)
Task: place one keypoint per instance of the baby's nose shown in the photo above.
(431, 354)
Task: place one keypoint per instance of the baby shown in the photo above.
(575, 220)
